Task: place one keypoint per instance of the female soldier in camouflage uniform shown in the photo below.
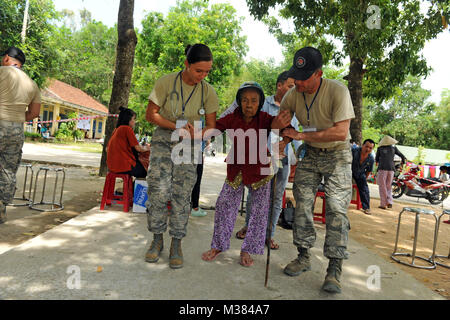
(177, 101)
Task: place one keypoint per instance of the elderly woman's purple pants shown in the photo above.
(227, 208)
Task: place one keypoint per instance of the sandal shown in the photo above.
(246, 260)
(241, 233)
(273, 244)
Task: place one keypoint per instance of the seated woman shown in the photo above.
(123, 147)
(252, 172)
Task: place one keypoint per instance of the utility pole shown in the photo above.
(25, 21)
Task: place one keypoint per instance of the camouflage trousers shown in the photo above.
(335, 168)
(11, 143)
(171, 181)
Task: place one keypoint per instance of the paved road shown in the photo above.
(59, 154)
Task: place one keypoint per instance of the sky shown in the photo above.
(435, 51)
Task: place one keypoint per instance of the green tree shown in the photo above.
(421, 154)
(38, 50)
(162, 42)
(265, 73)
(85, 57)
(442, 125)
(408, 116)
(381, 55)
(123, 71)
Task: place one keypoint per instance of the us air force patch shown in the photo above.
(300, 63)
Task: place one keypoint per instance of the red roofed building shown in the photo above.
(59, 99)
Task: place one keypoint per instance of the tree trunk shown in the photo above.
(126, 45)
(355, 79)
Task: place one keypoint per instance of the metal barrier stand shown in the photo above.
(23, 198)
(55, 206)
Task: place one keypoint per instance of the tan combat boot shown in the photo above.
(155, 249)
(299, 265)
(332, 280)
(176, 255)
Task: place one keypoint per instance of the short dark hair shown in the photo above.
(125, 117)
(198, 52)
(370, 141)
(282, 77)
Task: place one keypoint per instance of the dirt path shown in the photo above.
(378, 231)
(24, 223)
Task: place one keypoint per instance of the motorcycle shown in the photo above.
(412, 185)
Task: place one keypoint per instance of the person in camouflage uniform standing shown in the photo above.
(324, 109)
(176, 102)
(20, 101)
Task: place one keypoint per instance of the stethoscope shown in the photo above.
(174, 92)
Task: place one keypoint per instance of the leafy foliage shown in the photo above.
(409, 118)
(67, 130)
(380, 58)
(40, 54)
(163, 40)
(394, 101)
(86, 57)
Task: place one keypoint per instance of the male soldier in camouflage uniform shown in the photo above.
(20, 101)
(324, 109)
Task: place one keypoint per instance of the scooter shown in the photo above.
(412, 185)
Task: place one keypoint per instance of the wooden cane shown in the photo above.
(274, 183)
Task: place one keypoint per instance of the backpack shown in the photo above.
(287, 216)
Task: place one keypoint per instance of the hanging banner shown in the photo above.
(84, 124)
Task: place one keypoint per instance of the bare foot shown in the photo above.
(210, 254)
(246, 260)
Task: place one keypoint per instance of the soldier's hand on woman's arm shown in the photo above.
(282, 120)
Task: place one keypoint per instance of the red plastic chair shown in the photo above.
(109, 198)
(358, 199)
(320, 216)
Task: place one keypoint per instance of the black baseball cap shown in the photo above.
(306, 61)
(15, 53)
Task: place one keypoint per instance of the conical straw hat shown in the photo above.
(387, 141)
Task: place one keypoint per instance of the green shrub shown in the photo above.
(64, 133)
(78, 134)
(32, 135)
